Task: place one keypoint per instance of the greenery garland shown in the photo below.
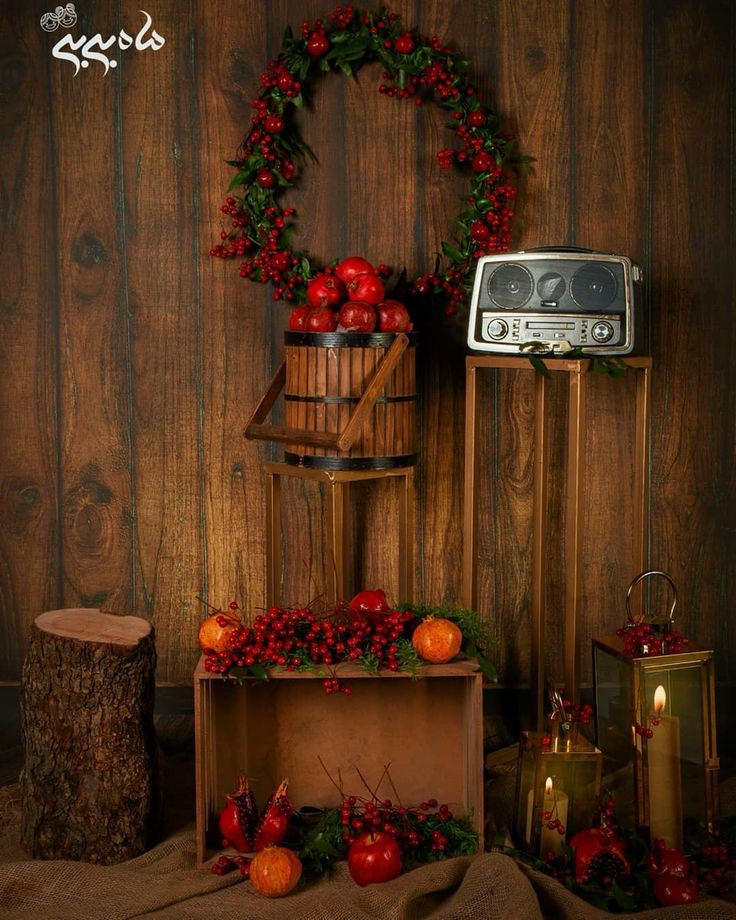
(416, 68)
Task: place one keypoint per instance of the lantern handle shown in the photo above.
(636, 581)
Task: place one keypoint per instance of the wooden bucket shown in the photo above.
(327, 374)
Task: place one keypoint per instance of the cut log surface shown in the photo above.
(89, 786)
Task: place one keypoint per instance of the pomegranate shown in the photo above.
(667, 861)
(393, 317)
(321, 319)
(357, 317)
(670, 890)
(274, 821)
(298, 318)
(437, 640)
(374, 857)
(325, 291)
(238, 818)
(215, 631)
(275, 872)
(352, 266)
(366, 288)
(599, 851)
(369, 602)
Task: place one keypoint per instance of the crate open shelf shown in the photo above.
(430, 730)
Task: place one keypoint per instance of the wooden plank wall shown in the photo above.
(131, 360)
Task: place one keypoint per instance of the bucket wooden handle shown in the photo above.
(344, 440)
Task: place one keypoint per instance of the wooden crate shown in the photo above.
(430, 730)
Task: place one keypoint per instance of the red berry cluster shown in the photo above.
(418, 67)
(716, 864)
(227, 864)
(295, 638)
(416, 828)
(552, 823)
(646, 639)
(644, 730)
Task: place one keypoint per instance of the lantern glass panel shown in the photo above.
(562, 779)
(667, 781)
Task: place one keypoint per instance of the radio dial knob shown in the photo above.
(602, 332)
(497, 329)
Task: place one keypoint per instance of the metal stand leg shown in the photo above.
(273, 537)
(539, 542)
(406, 539)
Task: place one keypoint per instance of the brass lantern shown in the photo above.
(558, 784)
(655, 724)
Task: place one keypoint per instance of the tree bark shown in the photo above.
(89, 786)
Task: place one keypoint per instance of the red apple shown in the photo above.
(374, 857)
(321, 319)
(352, 266)
(393, 317)
(298, 317)
(325, 291)
(357, 317)
(366, 288)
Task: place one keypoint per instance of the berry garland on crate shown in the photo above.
(366, 632)
(416, 68)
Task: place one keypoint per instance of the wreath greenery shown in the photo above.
(416, 68)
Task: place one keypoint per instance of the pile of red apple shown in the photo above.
(349, 298)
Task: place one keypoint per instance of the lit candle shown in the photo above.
(663, 775)
(555, 804)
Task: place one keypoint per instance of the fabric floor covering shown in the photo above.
(166, 884)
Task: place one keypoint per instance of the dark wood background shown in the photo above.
(131, 359)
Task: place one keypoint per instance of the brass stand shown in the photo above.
(577, 371)
(337, 487)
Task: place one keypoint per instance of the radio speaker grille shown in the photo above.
(510, 286)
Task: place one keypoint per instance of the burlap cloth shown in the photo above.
(166, 884)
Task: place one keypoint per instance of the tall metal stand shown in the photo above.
(337, 487)
(577, 375)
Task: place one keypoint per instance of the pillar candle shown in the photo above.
(556, 803)
(663, 775)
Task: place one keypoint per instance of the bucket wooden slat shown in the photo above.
(326, 375)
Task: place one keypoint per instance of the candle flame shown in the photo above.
(660, 700)
(548, 786)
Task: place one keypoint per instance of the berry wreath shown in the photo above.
(416, 67)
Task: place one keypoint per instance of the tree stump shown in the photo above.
(89, 786)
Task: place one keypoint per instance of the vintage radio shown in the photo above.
(557, 299)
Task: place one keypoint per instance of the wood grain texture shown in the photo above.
(441, 361)
(533, 87)
(96, 516)
(158, 149)
(693, 500)
(609, 106)
(136, 359)
(234, 315)
(380, 193)
(28, 478)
